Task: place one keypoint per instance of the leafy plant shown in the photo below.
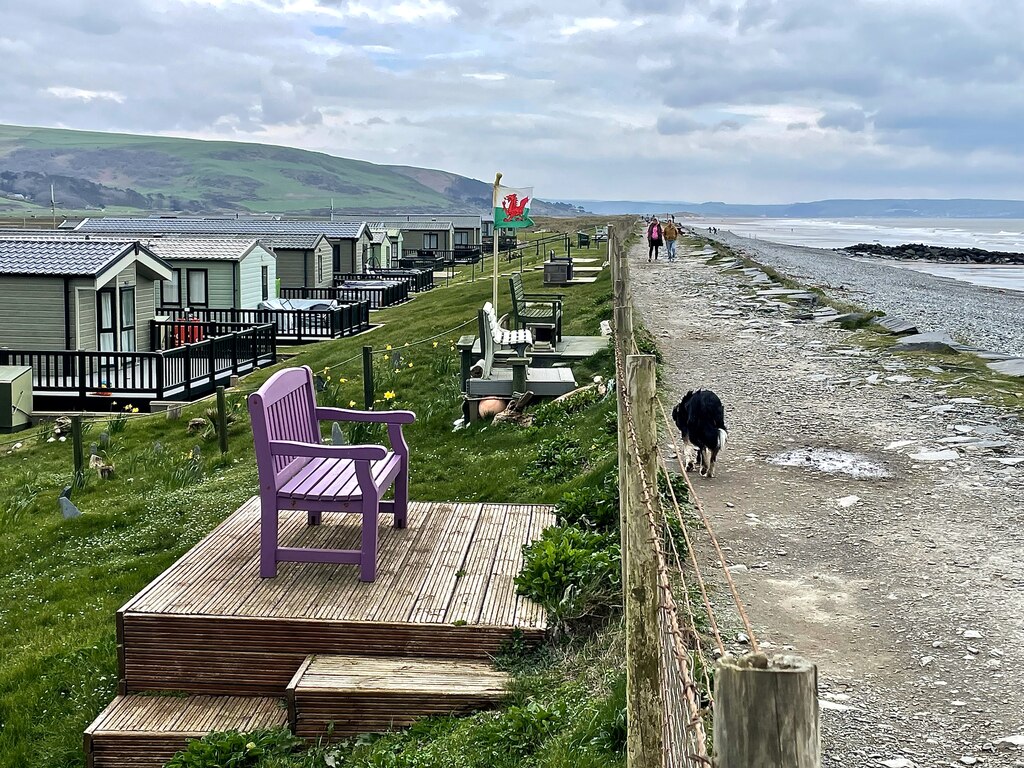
(571, 572)
(19, 500)
(116, 424)
(231, 749)
(592, 507)
(558, 459)
(185, 470)
(609, 723)
(558, 412)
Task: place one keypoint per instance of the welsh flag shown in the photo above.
(512, 207)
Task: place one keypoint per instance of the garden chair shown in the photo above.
(297, 471)
(536, 309)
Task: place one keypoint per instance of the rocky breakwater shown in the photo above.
(922, 252)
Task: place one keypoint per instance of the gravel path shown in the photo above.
(989, 318)
(906, 587)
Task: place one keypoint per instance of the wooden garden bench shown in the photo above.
(516, 376)
(518, 339)
(297, 471)
(536, 309)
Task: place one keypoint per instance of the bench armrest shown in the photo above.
(378, 417)
(313, 450)
(548, 296)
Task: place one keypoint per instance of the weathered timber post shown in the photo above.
(368, 378)
(766, 712)
(623, 345)
(644, 713)
(76, 448)
(222, 420)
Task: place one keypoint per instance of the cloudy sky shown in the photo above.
(737, 100)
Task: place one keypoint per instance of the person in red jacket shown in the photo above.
(655, 237)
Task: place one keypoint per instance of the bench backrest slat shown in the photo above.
(516, 283)
(486, 343)
(284, 408)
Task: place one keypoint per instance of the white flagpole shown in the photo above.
(494, 231)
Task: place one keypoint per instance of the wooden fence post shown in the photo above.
(76, 447)
(368, 378)
(623, 329)
(644, 713)
(222, 420)
(766, 712)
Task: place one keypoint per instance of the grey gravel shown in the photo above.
(986, 317)
(928, 555)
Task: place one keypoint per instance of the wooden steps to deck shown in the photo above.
(337, 696)
(140, 731)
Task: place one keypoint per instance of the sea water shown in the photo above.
(1005, 235)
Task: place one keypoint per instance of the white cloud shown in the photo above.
(592, 24)
(382, 49)
(485, 75)
(83, 94)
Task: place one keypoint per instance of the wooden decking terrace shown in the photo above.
(445, 589)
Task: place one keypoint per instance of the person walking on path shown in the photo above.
(670, 232)
(654, 238)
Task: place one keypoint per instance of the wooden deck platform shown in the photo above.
(210, 624)
(146, 731)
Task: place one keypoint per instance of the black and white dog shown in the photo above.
(700, 417)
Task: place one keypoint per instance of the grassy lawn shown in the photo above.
(63, 580)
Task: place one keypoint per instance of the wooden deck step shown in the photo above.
(347, 694)
(145, 731)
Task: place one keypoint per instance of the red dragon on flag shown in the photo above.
(515, 209)
(512, 207)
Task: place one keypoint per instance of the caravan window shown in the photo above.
(170, 290)
(127, 319)
(198, 295)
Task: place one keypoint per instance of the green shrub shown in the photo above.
(594, 508)
(558, 460)
(608, 729)
(558, 413)
(571, 572)
(231, 749)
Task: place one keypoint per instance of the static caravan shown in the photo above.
(78, 294)
(215, 273)
(303, 261)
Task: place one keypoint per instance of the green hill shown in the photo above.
(123, 172)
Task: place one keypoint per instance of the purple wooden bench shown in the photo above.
(296, 471)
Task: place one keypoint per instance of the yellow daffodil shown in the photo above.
(351, 403)
(435, 345)
(389, 395)
(410, 365)
(343, 381)
(135, 410)
(388, 347)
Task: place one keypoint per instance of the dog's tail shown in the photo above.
(723, 437)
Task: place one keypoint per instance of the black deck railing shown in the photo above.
(299, 325)
(188, 371)
(419, 279)
(420, 257)
(379, 296)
